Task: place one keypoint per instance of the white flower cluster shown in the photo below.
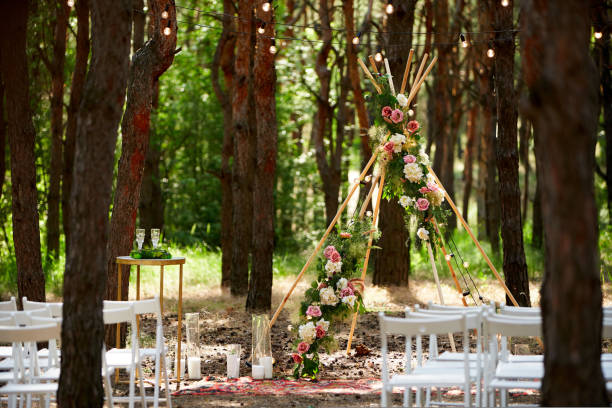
(423, 234)
(405, 201)
(308, 332)
(423, 158)
(377, 133)
(328, 296)
(436, 197)
(324, 324)
(398, 140)
(341, 284)
(413, 172)
(350, 300)
(333, 267)
(402, 100)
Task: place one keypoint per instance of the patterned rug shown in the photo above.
(248, 386)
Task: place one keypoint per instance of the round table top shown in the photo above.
(128, 260)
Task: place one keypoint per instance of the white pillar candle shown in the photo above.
(257, 371)
(266, 362)
(182, 367)
(193, 368)
(233, 366)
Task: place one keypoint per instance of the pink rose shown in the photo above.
(389, 146)
(322, 285)
(409, 159)
(422, 204)
(397, 116)
(335, 257)
(346, 292)
(297, 358)
(386, 112)
(329, 251)
(432, 186)
(320, 332)
(413, 126)
(345, 235)
(314, 311)
(424, 190)
(303, 347)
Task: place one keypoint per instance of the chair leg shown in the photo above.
(504, 397)
(132, 387)
(427, 396)
(168, 397)
(141, 384)
(384, 397)
(157, 382)
(417, 397)
(407, 397)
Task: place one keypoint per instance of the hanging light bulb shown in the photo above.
(378, 57)
(356, 38)
(464, 42)
(598, 34)
(410, 112)
(368, 178)
(265, 6)
(389, 9)
(164, 14)
(466, 264)
(368, 213)
(273, 49)
(447, 257)
(490, 53)
(505, 3)
(70, 3)
(167, 31)
(262, 28)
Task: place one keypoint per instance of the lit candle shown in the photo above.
(257, 371)
(193, 368)
(266, 362)
(233, 366)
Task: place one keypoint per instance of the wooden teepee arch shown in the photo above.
(380, 180)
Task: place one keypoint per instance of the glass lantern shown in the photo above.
(261, 351)
(192, 324)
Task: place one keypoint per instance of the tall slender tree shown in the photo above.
(21, 137)
(515, 265)
(80, 382)
(2, 138)
(571, 294)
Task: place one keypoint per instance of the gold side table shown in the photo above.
(180, 261)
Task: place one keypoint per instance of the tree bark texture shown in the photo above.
(76, 94)
(558, 68)
(392, 261)
(148, 64)
(537, 229)
(260, 284)
(21, 136)
(56, 68)
(470, 152)
(515, 265)
(80, 382)
(2, 137)
(244, 139)
(138, 28)
(224, 59)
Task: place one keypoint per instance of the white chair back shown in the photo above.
(520, 311)
(9, 305)
(55, 308)
(24, 318)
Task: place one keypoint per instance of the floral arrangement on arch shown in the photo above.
(407, 176)
(332, 296)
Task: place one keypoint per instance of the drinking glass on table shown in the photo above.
(140, 236)
(154, 237)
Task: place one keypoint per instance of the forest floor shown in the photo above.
(223, 321)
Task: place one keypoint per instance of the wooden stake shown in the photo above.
(373, 64)
(391, 87)
(420, 71)
(406, 71)
(448, 263)
(369, 75)
(327, 232)
(367, 256)
(417, 86)
(364, 206)
(469, 231)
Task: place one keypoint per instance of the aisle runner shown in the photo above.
(248, 386)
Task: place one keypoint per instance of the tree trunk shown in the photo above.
(2, 138)
(524, 137)
(242, 193)
(392, 261)
(224, 59)
(260, 284)
(76, 94)
(80, 382)
(515, 265)
(470, 152)
(148, 64)
(571, 291)
(21, 136)
(537, 229)
(140, 19)
(56, 69)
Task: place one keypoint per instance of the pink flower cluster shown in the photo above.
(297, 358)
(422, 204)
(332, 254)
(320, 332)
(409, 158)
(431, 187)
(314, 311)
(348, 291)
(392, 115)
(412, 126)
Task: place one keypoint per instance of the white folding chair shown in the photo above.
(9, 305)
(55, 308)
(128, 359)
(425, 375)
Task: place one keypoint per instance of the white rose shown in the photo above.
(328, 297)
(350, 300)
(413, 172)
(424, 158)
(405, 201)
(342, 283)
(308, 332)
(423, 234)
(398, 140)
(402, 100)
(436, 197)
(324, 324)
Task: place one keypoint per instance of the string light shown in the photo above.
(164, 14)
(410, 112)
(448, 257)
(265, 6)
(262, 28)
(378, 57)
(598, 34)
(368, 178)
(490, 53)
(356, 38)
(168, 30)
(389, 9)
(70, 3)
(464, 42)
(466, 264)
(273, 49)
(505, 3)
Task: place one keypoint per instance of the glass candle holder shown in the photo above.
(192, 324)
(233, 361)
(261, 350)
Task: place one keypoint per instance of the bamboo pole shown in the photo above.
(417, 86)
(391, 87)
(420, 71)
(448, 263)
(367, 255)
(329, 229)
(369, 75)
(469, 231)
(373, 64)
(406, 71)
(364, 206)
